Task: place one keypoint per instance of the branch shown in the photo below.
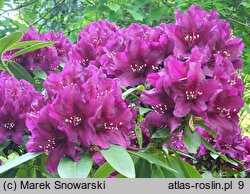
(43, 17)
(19, 7)
(235, 21)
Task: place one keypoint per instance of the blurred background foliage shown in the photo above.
(71, 16)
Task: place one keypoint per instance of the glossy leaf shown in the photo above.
(153, 160)
(19, 72)
(9, 40)
(32, 48)
(120, 160)
(192, 140)
(18, 161)
(23, 44)
(104, 170)
(67, 168)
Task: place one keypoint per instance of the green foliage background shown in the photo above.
(71, 16)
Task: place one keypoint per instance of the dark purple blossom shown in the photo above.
(47, 137)
(222, 113)
(16, 100)
(191, 87)
(63, 45)
(11, 124)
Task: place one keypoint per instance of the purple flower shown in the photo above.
(72, 112)
(98, 158)
(112, 123)
(222, 113)
(62, 45)
(70, 75)
(84, 53)
(193, 28)
(16, 100)
(11, 124)
(47, 58)
(146, 48)
(191, 87)
(229, 78)
(47, 137)
(163, 106)
(89, 108)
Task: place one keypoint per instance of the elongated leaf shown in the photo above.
(18, 161)
(143, 111)
(120, 160)
(9, 40)
(131, 90)
(157, 172)
(161, 133)
(43, 170)
(153, 160)
(9, 173)
(192, 171)
(4, 145)
(185, 170)
(23, 44)
(40, 74)
(208, 146)
(19, 72)
(67, 168)
(32, 48)
(192, 140)
(142, 168)
(104, 170)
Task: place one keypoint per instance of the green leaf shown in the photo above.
(214, 156)
(9, 40)
(32, 48)
(208, 146)
(157, 172)
(207, 174)
(185, 154)
(136, 15)
(67, 168)
(104, 170)
(192, 171)
(43, 170)
(120, 160)
(185, 170)
(23, 45)
(161, 133)
(192, 140)
(40, 74)
(156, 14)
(153, 160)
(19, 72)
(4, 145)
(139, 135)
(142, 168)
(131, 90)
(18, 161)
(114, 7)
(143, 111)
(9, 173)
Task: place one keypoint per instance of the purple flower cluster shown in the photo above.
(84, 108)
(129, 54)
(200, 78)
(17, 98)
(47, 59)
(237, 148)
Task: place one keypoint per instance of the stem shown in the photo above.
(180, 160)
(5, 67)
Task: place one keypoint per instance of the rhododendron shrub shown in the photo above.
(168, 95)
